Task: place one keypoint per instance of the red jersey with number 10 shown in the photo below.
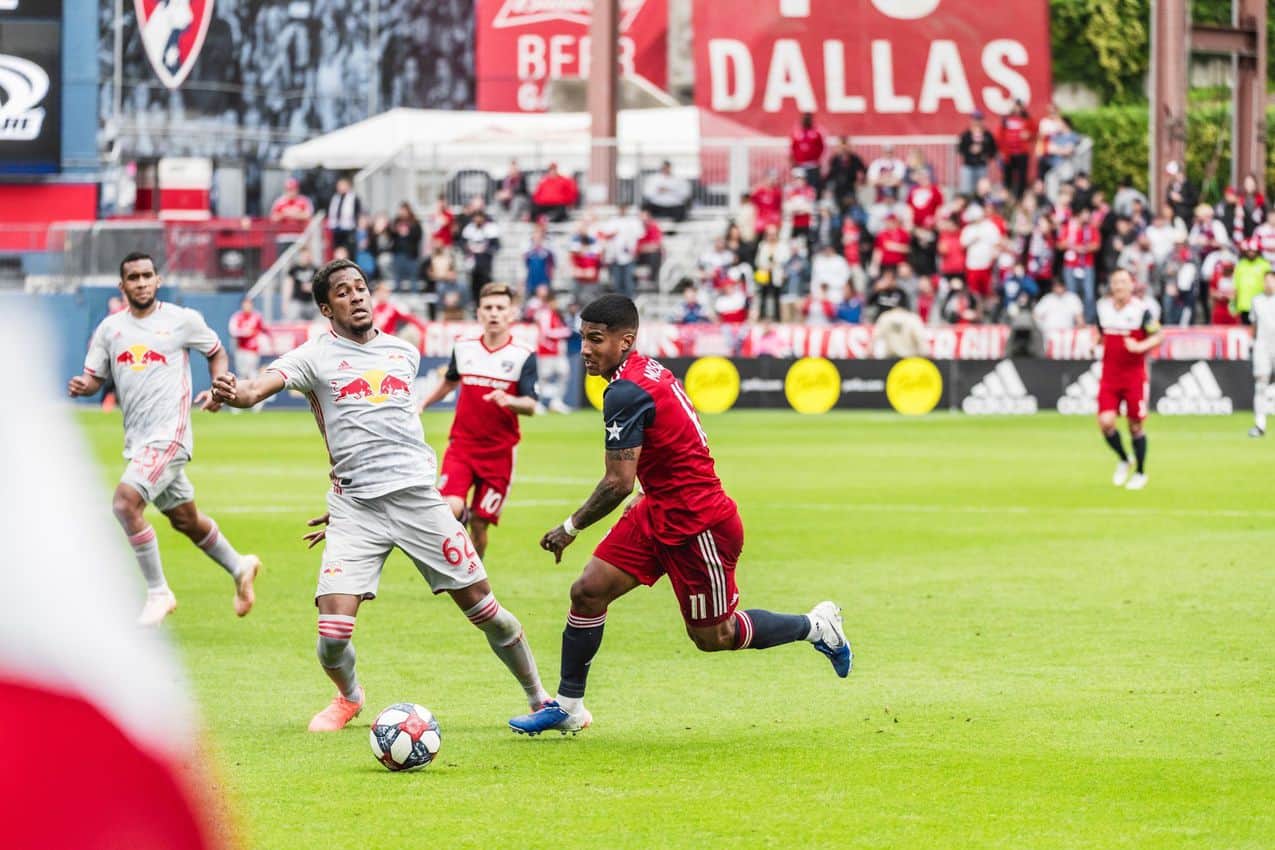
(645, 405)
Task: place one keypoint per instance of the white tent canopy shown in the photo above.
(448, 140)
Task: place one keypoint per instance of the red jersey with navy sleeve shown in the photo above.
(483, 427)
(646, 406)
(1120, 366)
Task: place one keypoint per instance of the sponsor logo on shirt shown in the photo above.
(373, 386)
(139, 358)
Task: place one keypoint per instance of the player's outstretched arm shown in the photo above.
(83, 384)
(218, 364)
(520, 404)
(246, 392)
(612, 490)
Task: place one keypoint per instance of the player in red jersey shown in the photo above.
(497, 380)
(1129, 330)
(684, 525)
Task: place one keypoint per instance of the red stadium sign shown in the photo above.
(881, 67)
(522, 44)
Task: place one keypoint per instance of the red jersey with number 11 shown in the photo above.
(645, 405)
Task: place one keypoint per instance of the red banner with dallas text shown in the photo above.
(522, 44)
(875, 67)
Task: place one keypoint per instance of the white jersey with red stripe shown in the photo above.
(361, 396)
(149, 360)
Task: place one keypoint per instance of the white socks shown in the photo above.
(336, 653)
(507, 640)
(219, 549)
(1259, 403)
(146, 548)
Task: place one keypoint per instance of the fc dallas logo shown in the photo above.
(173, 33)
(517, 13)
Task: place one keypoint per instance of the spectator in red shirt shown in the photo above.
(1017, 137)
(1079, 242)
(650, 249)
(292, 207)
(389, 318)
(924, 199)
(799, 204)
(805, 149)
(247, 330)
(442, 224)
(555, 195)
(585, 256)
(892, 245)
(768, 202)
(951, 253)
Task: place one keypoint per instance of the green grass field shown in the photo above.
(1041, 660)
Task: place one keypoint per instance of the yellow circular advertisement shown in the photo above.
(712, 384)
(812, 385)
(914, 386)
(594, 386)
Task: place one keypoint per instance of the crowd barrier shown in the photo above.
(975, 387)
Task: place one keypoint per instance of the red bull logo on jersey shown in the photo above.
(140, 357)
(373, 386)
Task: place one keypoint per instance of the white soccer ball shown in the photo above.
(405, 736)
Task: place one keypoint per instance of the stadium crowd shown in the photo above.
(1023, 238)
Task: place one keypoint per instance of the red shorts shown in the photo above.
(979, 281)
(1132, 393)
(701, 570)
(488, 477)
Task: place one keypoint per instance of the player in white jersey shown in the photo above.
(145, 351)
(1262, 315)
(359, 384)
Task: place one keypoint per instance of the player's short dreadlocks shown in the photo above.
(320, 285)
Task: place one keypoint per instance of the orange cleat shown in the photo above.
(338, 713)
(244, 596)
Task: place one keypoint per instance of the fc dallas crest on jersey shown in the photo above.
(173, 34)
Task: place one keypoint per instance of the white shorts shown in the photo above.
(158, 472)
(1263, 360)
(362, 532)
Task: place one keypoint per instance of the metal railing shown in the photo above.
(268, 291)
(718, 171)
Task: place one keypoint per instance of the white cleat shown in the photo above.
(244, 595)
(1255, 431)
(830, 637)
(1121, 476)
(158, 606)
(558, 406)
(1137, 482)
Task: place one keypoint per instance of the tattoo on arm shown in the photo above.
(608, 495)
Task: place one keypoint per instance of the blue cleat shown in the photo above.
(551, 717)
(831, 640)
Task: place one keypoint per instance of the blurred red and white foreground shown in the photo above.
(97, 729)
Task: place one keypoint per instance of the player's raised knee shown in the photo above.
(587, 597)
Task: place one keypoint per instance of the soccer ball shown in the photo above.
(405, 736)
